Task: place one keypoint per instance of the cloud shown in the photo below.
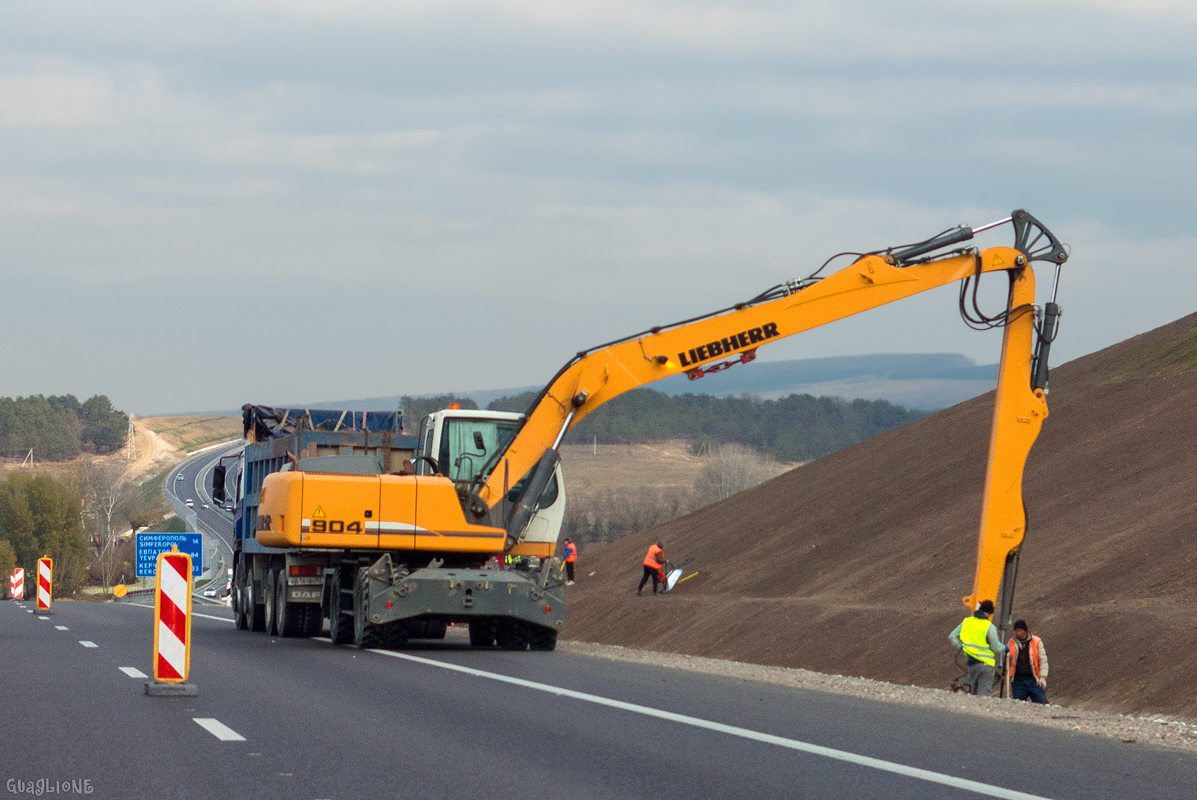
(434, 196)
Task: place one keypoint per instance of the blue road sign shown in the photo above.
(149, 545)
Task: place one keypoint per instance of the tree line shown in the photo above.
(799, 427)
(41, 516)
(59, 427)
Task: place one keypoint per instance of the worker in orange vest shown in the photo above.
(571, 555)
(654, 567)
(1026, 666)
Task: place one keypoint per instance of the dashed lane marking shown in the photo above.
(732, 730)
(218, 729)
(62, 627)
(133, 672)
(86, 643)
(41, 617)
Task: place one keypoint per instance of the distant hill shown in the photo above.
(925, 381)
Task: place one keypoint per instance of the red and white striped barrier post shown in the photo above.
(45, 584)
(172, 626)
(16, 584)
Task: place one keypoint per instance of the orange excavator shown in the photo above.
(436, 523)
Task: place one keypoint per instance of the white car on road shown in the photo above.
(190, 503)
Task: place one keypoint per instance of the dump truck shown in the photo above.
(289, 578)
(387, 535)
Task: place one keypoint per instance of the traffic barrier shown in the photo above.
(172, 626)
(16, 584)
(45, 584)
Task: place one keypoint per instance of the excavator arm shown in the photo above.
(716, 341)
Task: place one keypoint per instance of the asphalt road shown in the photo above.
(214, 522)
(309, 720)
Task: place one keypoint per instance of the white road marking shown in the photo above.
(39, 616)
(733, 730)
(193, 613)
(218, 729)
(133, 672)
(62, 627)
(86, 643)
(29, 611)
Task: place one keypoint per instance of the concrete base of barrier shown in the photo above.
(156, 689)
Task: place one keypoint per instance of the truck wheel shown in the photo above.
(340, 625)
(268, 596)
(544, 638)
(435, 629)
(240, 618)
(290, 615)
(483, 633)
(255, 613)
(365, 633)
(313, 620)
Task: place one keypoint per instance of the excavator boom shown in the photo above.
(719, 340)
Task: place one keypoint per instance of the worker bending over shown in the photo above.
(1026, 666)
(978, 637)
(654, 567)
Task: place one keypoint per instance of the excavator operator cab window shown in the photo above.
(466, 444)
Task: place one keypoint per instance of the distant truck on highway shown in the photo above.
(325, 539)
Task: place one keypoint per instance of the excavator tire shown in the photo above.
(543, 638)
(394, 635)
(340, 623)
(366, 635)
(515, 634)
(483, 633)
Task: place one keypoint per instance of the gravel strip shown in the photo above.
(1156, 730)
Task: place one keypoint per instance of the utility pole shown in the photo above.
(132, 448)
(28, 459)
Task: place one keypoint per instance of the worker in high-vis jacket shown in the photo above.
(571, 557)
(654, 567)
(978, 637)
(1026, 666)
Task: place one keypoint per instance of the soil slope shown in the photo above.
(855, 564)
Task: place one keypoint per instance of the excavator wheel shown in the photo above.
(483, 633)
(544, 638)
(340, 623)
(365, 634)
(394, 635)
(515, 634)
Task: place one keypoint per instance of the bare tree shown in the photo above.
(106, 497)
(730, 469)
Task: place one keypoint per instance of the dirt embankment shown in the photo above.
(856, 563)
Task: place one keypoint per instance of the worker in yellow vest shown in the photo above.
(978, 637)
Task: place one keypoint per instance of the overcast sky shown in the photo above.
(281, 202)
